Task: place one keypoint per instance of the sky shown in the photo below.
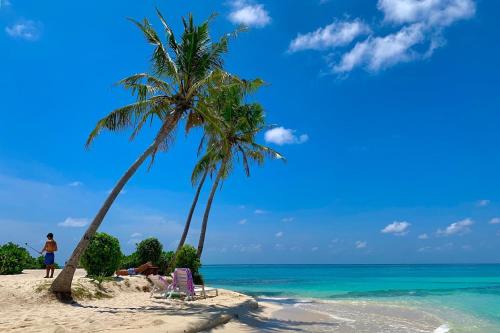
(386, 110)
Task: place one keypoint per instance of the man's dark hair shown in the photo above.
(50, 235)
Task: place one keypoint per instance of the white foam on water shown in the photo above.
(442, 329)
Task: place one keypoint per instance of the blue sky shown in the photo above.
(388, 114)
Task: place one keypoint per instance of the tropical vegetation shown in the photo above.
(187, 84)
(180, 70)
(230, 134)
(103, 255)
(15, 258)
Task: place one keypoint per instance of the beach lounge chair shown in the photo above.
(183, 283)
(160, 284)
(202, 290)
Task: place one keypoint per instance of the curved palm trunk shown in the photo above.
(62, 284)
(203, 232)
(188, 220)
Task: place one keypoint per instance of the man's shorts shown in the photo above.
(49, 258)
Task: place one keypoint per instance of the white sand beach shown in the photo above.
(125, 305)
(26, 306)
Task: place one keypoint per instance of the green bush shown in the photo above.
(103, 255)
(187, 258)
(165, 259)
(130, 261)
(149, 249)
(13, 259)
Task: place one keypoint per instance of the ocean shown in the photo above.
(466, 298)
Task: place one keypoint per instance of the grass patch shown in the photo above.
(100, 295)
(80, 292)
(44, 286)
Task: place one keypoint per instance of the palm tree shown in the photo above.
(230, 134)
(180, 70)
(187, 225)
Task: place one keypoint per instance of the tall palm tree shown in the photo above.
(180, 70)
(189, 218)
(230, 135)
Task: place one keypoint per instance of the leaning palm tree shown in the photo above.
(169, 93)
(230, 130)
(189, 218)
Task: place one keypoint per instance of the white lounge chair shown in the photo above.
(183, 283)
(201, 289)
(160, 284)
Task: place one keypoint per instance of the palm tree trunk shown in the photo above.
(188, 221)
(203, 232)
(62, 284)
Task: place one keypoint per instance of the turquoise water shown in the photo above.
(466, 296)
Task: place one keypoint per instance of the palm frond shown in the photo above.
(268, 151)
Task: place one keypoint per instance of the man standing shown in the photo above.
(49, 249)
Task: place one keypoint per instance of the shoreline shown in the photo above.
(342, 316)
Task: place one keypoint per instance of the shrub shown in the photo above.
(149, 249)
(187, 258)
(165, 259)
(102, 256)
(13, 259)
(130, 261)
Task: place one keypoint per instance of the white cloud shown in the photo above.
(432, 12)
(136, 234)
(314, 248)
(260, 212)
(414, 32)
(279, 234)
(483, 203)
(287, 219)
(495, 220)
(243, 221)
(422, 34)
(423, 236)
(249, 14)
(361, 244)
(397, 228)
(333, 35)
(27, 30)
(282, 136)
(71, 222)
(457, 228)
(75, 184)
(377, 53)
